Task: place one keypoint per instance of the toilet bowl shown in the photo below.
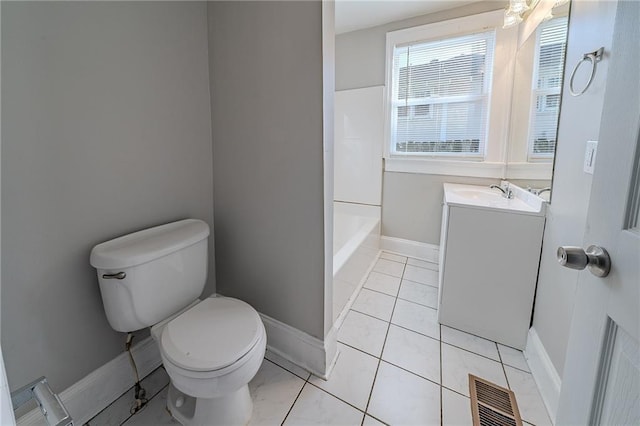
(210, 348)
(211, 351)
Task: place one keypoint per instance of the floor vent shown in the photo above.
(492, 405)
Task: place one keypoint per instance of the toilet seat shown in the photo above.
(212, 335)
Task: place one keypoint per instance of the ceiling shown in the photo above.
(353, 15)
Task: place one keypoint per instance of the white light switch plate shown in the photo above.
(590, 156)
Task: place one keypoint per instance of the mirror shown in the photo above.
(536, 100)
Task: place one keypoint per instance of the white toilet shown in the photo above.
(210, 348)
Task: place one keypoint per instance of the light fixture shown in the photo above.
(518, 10)
(511, 19)
(518, 6)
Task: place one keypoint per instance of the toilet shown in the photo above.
(211, 348)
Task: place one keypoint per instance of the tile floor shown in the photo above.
(396, 365)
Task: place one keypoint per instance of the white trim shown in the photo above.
(544, 373)
(445, 167)
(542, 170)
(417, 249)
(94, 392)
(302, 349)
(511, 170)
(331, 351)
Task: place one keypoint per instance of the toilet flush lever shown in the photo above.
(595, 258)
(118, 276)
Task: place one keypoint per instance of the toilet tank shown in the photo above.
(151, 274)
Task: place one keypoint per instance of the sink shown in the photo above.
(522, 202)
(479, 194)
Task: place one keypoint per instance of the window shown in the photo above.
(467, 97)
(440, 96)
(547, 84)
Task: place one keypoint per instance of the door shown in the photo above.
(601, 383)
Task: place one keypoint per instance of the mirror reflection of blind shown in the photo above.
(547, 85)
(441, 95)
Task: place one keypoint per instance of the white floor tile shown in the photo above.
(287, 365)
(351, 378)
(273, 391)
(422, 264)
(398, 396)
(419, 293)
(513, 357)
(316, 407)
(414, 352)
(394, 257)
(389, 267)
(118, 411)
(421, 275)
(374, 303)
(417, 318)
(155, 413)
(370, 421)
(456, 409)
(383, 283)
(363, 332)
(458, 363)
(402, 398)
(532, 408)
(470, 342)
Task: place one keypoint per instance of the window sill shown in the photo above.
(431, 166)
(498, 170)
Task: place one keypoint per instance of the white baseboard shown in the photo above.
(544, 373)
(93, 393)
(306, 351)
(425, 251)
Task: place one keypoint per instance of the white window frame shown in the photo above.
(493, 163)
(531, 156)
(394, 103)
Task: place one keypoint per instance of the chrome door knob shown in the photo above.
(595, 258)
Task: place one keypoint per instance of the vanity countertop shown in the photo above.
(483, 197)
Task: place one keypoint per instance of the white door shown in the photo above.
(601, 383)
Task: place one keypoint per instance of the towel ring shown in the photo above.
(593, 58)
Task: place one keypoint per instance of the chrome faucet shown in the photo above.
(538, 191)
(506, 193)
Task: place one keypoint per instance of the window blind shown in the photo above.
(440, 96)
(547, 86)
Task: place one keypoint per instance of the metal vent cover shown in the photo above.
(492, 405)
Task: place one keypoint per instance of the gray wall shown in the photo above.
(411, 202)
(105, 130)
(591, 24)
(267, 104)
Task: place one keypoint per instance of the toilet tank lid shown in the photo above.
(147, 245)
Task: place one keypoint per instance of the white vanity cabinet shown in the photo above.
(490, 252)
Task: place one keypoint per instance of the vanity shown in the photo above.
(489, 255)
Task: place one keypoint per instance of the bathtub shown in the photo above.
(356, 244)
